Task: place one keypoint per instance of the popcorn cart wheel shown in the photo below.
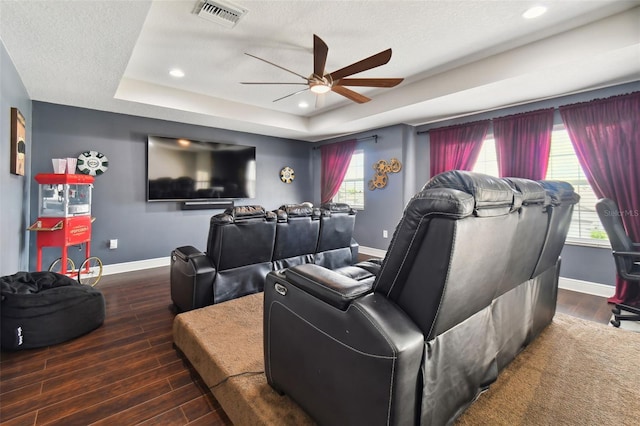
(89, 273)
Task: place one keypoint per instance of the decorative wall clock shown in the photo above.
(287, 175)
(93, 163)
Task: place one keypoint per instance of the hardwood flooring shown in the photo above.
(127, 372)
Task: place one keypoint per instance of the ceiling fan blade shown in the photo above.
(268, 82)
(278, 66)
(350, 94)
(370, 82)
(320, 51)
(363, 65)
(291, 94)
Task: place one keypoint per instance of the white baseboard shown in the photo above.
(580, 286)
(595, 289)
(370, 251)
(137, 265)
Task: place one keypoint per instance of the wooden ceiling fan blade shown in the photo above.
(320, 51)
(350, 94)
(370, 82)
(363, 65)
(278, 66)
(291, 94)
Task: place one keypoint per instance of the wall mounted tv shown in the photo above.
(180, 169)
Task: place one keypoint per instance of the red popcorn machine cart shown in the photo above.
(64, 219)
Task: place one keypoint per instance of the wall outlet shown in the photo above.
(385, 234)
(113, 244)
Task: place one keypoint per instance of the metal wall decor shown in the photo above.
(381, 168)
(287, 175)
(92, 163)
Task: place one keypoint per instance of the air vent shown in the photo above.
(222, 12)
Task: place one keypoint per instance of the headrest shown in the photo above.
(247, 212)
(337, 208)
(492, 196)
(243, 213)
(531, 191)
(445, 201)
(560, 192)
(298, 210)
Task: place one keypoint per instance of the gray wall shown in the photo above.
(14, 238)
(383, 207)
(149, 230)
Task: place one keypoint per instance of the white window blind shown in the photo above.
(352, 189)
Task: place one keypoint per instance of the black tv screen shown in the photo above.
(186, 169)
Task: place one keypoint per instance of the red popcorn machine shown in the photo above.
(64, 219)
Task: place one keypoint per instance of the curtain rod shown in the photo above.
(357, 139)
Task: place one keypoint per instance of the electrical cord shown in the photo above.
(246, 373)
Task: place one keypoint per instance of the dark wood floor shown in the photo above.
(127, 372)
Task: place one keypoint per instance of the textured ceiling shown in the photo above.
(457, 58)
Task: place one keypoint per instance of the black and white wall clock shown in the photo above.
(287, 175)
(93, 163)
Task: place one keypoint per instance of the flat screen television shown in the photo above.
(180, 169)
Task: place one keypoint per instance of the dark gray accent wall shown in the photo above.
(149, 230)
(594, 264)
(14, 238)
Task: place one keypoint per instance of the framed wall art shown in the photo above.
(18, 142)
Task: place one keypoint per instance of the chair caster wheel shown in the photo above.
(615, 311)
(615, 323)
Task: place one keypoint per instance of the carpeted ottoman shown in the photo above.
(44, 308)
(224, 344)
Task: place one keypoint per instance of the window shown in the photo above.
(352, 189)
(563, 165)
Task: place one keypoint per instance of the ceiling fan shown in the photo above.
(320, 82)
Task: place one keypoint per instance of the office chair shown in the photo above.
(626, 254)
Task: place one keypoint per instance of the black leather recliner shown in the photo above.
(460, 292)
(238, 257)
(336, 246)
(245, 243)
(297, 233)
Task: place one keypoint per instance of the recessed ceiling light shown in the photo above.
(534, 12)
(176, 72)
(303, 104)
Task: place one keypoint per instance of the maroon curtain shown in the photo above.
(335, 162)
(606, 136)
(523, 142)
(456, 147)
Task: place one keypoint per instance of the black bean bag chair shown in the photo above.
(44, 308)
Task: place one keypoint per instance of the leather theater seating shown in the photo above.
(247, 242)
(469, 279)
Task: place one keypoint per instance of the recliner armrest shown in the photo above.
(187, 252)
(327, 285)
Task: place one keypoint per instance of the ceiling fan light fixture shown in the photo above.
(320, 88)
